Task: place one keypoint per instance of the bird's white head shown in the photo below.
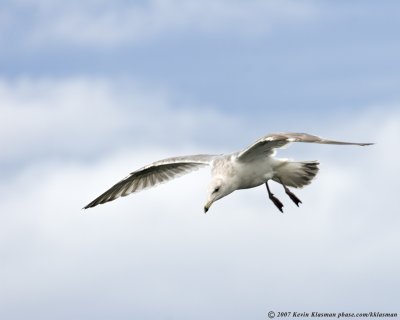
(217, 189)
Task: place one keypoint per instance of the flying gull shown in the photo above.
(249, 168)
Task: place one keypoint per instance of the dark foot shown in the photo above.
(291, 194)
(293, 197)
(274, 199)
(276, 202)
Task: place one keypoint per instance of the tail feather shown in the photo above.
(296, 174)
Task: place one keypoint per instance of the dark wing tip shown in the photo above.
(90, 205)
(95, 202)
(361, 144)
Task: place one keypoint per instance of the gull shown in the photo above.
(252, 167)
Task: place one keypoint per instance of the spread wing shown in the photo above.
(266, 146)
(152, 175)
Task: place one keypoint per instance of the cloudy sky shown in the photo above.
(92, 90)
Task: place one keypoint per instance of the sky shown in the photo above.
(92, 90)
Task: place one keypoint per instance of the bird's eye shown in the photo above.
(216, 190)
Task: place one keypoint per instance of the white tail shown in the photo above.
(296, 174)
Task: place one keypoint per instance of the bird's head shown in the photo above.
(217, 189)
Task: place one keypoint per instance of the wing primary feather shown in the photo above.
(267, 145)
(152, 175)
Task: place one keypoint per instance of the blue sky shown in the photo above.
(92, 90)
(312, 56)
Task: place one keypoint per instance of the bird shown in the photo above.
(254, 166)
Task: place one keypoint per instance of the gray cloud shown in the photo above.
(85, 116)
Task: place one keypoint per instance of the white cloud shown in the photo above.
(157, 248)
(100, 23)
(84, 116)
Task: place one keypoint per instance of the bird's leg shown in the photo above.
(274, 199)
(291, 194)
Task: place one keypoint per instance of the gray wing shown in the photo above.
(266, 146)
(152, 175)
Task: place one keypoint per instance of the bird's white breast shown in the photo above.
(244, 175)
